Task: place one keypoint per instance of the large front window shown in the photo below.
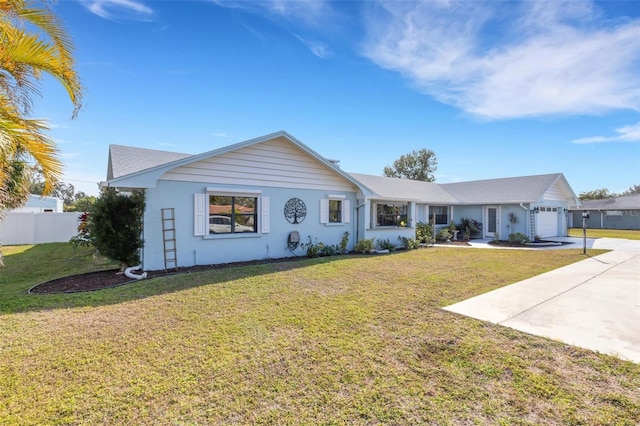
(232, 215)
(440, 214)
(391, 214)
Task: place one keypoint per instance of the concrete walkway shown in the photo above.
(593, 304)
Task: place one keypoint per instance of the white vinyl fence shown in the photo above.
(37, 228)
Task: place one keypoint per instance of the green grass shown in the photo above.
(629, 234)
(342, 340)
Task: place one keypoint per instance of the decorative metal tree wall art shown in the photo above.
(295, 210)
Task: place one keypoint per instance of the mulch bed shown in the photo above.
(98, 280)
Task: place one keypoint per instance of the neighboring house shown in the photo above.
(41, 204)
(274, 189)
(609, 213)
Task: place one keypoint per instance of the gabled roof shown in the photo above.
(131, 167)
(141, 168)
(625, 202)
(405, 189)
(522, 189)
(125, 160)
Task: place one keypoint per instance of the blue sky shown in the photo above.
(495, 89)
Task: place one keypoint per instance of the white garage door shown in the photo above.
(547, 222)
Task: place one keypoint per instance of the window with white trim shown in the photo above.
(232, 214)
(222, 212)
(334, 210)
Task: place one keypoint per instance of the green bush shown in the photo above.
(115, 221)
(469, 227)
(518, 238)
(312, 248)
(385, 244)
(444, 235)
(409, 243)
(424, 233)
(365, 245)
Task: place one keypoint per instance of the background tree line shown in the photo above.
(602, 193)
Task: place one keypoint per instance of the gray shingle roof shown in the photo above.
(405, 189)
(522, 189)
(626, 202)
(124, 160)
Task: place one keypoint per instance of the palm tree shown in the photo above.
(24, 57)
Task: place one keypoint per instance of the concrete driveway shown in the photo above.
(593, 304)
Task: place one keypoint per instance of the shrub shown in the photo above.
(312, 248)
(365, 245)
(115, 222)
(518, 238)
(329, 250)
(385, 244)
(409, 243)
(444, 235)
(84, 238)
(424, 233)
(469, 227)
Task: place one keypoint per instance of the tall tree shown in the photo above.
(417, 165)
(596, 194)
(32, 43)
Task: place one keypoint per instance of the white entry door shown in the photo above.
(491, 221)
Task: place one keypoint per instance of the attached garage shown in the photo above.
(547, 222)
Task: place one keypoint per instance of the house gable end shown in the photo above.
(277, 160)
(276, 163)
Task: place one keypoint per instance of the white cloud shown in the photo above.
(624, 134)
(113, 9)
(304, 15)
(307, 12)
(318, 48)
(219, 135)
(510, 59)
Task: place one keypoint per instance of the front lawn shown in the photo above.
(629, 234)
(340, 340)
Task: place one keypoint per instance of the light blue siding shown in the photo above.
(198, 250)
(471, 212)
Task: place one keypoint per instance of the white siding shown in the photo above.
(275, 163)
(555, 193)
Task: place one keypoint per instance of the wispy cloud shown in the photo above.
(119, 9)
(307, 12)
(318, 48)
(624, 134)
(500, 60)
(307, 16)
(166, 144)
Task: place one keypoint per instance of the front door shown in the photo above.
(492, 221)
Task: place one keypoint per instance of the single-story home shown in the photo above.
(609, 213)
(258, 199)
(41, 204)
